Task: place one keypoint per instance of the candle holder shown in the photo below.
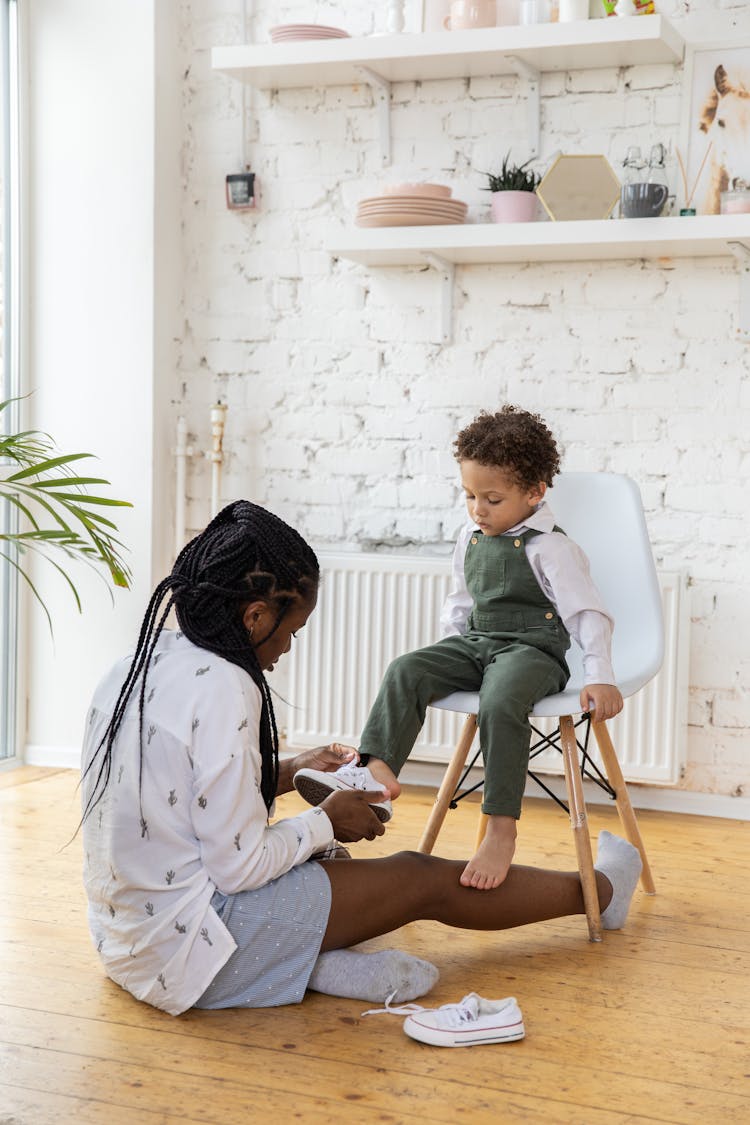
(395, 23)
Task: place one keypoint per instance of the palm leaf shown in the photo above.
(46, 489)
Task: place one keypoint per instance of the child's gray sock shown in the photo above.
(372, 976)
(621, 863)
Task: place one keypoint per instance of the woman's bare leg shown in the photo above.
(375, 896)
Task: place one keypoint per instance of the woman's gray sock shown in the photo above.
(372, 976)
(621, 863)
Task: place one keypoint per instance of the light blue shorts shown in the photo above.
(279, 929)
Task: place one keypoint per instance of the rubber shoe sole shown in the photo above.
(314, 790)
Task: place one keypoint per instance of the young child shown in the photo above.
(520, 588)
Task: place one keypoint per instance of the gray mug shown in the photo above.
(643, 201)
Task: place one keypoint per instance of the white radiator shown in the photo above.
(372, 608)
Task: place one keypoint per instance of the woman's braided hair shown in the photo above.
(245, 553)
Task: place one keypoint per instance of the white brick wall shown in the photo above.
(342, 407)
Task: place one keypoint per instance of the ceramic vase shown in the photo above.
(514, 206)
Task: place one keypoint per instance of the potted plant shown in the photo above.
(513, 192)
(58, 513)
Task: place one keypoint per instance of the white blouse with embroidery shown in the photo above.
(152, 865)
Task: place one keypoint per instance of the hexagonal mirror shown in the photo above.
(579, 187)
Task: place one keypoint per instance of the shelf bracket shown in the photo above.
(447, 271)
(381, 92)
(533, 79)
(742, 254)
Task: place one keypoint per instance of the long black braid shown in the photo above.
(245, 553)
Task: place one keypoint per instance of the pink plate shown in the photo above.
(419, 191)
(406, 202)
(396, 219)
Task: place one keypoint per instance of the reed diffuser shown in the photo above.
(688, 209)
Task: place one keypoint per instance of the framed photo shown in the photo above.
(715, 148)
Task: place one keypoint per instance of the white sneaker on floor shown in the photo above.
(316, 785)
(472, 1022)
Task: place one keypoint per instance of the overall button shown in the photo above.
(474, 541)
(549, 616)
(516, 542)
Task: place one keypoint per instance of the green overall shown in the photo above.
(513, 653)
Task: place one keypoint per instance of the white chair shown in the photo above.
(603, 513)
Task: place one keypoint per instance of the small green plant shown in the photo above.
(512, 177)
(44, 489)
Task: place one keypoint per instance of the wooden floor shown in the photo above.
(649, 1026)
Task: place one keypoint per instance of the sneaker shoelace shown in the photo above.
(393, 1009)
(465, 1011)
(355, 776)
(454, 1015)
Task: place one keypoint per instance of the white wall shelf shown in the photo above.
(379, 60)
(481, 243)
(477, 243)
(590, 44)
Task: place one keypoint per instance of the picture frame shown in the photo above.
(714, 149)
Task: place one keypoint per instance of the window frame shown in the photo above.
(10, 634)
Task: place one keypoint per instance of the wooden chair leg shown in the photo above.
(481, 829)
(579, 824)
(624, 808)
(448, 786)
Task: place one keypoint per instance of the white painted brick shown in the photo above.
(652, 77)
(426, 493)
(600, 81)
(732, 711)
(367, 459)
(418, 528)
(498, 86)
(436, 464)
(383, 494)
(324, 524)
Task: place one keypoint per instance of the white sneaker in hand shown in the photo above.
(470, 1023)
(316, 785)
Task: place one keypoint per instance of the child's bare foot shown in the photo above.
(384, 776)
(488, 868)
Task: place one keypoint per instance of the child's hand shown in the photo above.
(326, 758)
(602, 701)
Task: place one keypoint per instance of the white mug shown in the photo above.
(470, 13)
(534, 11)
(571, 10)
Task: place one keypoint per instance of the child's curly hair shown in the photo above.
(513, 440)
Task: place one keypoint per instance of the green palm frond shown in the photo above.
(56, 509)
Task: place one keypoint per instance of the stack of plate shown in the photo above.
(411, 205)
(292, 32)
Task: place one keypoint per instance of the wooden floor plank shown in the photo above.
(390, 1060)
(649, 1026)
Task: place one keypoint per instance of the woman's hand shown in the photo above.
(351, 816)
(327, 758)
(602, 701)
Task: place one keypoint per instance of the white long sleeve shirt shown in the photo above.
(151, 867)
(562, 570)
